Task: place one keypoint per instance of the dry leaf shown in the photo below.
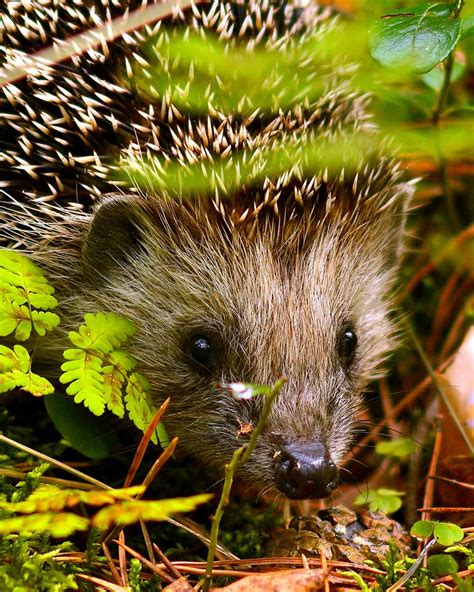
(181, 585)
(300, 580)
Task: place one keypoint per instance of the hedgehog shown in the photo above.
(284, 273)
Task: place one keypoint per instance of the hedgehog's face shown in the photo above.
(214, 309)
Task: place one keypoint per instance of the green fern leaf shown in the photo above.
(38, 385)
(49, 498)
(102, 332)
(24, 288)
(128, 512)
(136, 401)
(96, 370)
(44, 321)
(99, 372)
(15, 318)
(115, 376)
(15, 372)
(83, 370)
(61, 525)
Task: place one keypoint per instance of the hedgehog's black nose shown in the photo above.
(304, 470)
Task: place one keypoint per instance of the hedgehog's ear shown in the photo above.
(115, 235)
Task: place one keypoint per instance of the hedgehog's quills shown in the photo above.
(287, 276)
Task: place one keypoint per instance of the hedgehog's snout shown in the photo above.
(305, 470)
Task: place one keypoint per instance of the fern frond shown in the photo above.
(128, 512)
(24, 288)
(115, 376)
(99, 372)
(136, 402)
(102, 332)
(83, 370)
(49, 498)
(15, 372)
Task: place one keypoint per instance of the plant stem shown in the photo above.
(448, 70)
(435, 118)
(443, 93)
(240, 457)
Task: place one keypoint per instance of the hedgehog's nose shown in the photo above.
(305, 470)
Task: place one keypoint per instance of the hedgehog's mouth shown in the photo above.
(305, 470)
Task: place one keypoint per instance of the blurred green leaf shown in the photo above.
(467, 27)
(129, 512)
(384, 500)
(416, 39)
(442, 565)
(397, 448)
(87, 433)
(435, 77)
(59, 525)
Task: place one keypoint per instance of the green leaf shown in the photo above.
(15, 317)
(102, 332)
(17, 358)
(422, 529)
(115, 376)
(60, 525)
(416, 39)
(132, 511)
(24, 288)
(359, 580)
(136, 401)
(44, 321)
(448, 533)
(49, 498)
(435, 77)
(99, 372)
(384, 500)
(87, 433)
(397, 448)
(467, 27)
(18, 270)
(15, 372)
(442, 565)
(37, 385)
(84, 371)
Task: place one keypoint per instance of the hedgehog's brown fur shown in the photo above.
(273, 272)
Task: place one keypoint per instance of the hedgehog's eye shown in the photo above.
(347, 345)
(202, 350)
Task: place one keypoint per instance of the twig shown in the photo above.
(453, 481)
(123, 547)
(144, 442)
(429, 488)
(54, 462)
(82, 42)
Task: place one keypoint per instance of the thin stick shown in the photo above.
(82, 42)
(123, 547)
(144, 442)
(111, 563)
(429, 488)
(54, 462)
